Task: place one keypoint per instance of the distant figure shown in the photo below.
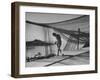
(58, 42)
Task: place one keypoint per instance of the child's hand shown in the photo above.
(55, 42)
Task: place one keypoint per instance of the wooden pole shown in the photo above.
(78, 37)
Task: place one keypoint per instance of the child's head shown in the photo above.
(54, 34)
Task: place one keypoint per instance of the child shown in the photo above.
(59, 42)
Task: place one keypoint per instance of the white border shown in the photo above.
(33, 70)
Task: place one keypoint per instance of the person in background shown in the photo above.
(58, 42)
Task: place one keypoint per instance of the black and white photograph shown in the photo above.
(57, 39)
(52, 39)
